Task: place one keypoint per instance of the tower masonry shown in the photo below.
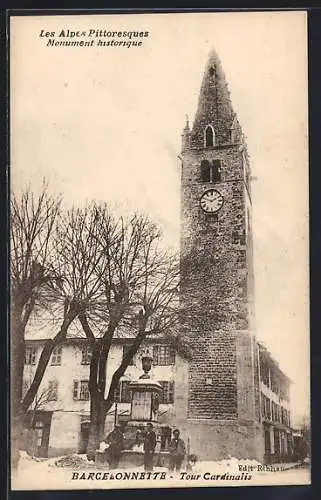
(217, 285)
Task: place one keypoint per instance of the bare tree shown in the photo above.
(55, 255)
(108, 273)
(41, 400)
(33, 218)
(77, 284)
(139, 282)
(43, 397)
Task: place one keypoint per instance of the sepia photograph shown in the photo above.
(159, 250)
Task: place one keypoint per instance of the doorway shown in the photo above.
(267, 445)
(41, 432)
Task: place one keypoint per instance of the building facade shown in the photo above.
(275, 409)
(60, 413)
(231, 397)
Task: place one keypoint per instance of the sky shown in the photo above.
(105, 123)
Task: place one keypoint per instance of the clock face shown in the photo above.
(211, 201)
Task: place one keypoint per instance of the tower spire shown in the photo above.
(214, 105)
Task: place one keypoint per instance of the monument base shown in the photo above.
(130, 432)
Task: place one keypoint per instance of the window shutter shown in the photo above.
(155, 355)
(76, 389)
(83, 391)
(125, 350)
(205, 171)
(171, 392)
(172, 354)
(216, 172)
(167, 395)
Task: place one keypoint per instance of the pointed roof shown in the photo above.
(214, 104)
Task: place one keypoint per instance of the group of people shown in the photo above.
(176, 448)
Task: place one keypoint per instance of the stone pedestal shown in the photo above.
(131, 432)
(144, 409)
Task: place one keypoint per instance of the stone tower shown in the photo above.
(216, 288)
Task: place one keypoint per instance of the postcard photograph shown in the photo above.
(159, 243)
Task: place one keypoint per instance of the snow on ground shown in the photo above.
(75, 472)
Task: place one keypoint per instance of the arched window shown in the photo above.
(205, 171)
(209, 137)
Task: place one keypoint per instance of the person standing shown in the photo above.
(115, 440)
(149, 447)
(177, 452)
(139, 438)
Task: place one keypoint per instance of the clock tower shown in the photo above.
(216, 287)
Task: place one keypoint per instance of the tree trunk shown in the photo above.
(102, 418)
(99, 406)
(97, 384)
(93, 441)
(17, 428)
(109, 401)
(94, 438)
(44, 360)
(97, 425)
(17, 366)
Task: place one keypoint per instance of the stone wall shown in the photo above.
(214, 290)
(212, 377)
(214, 268)
(216, 262)
(246, 381)
(211, 440)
